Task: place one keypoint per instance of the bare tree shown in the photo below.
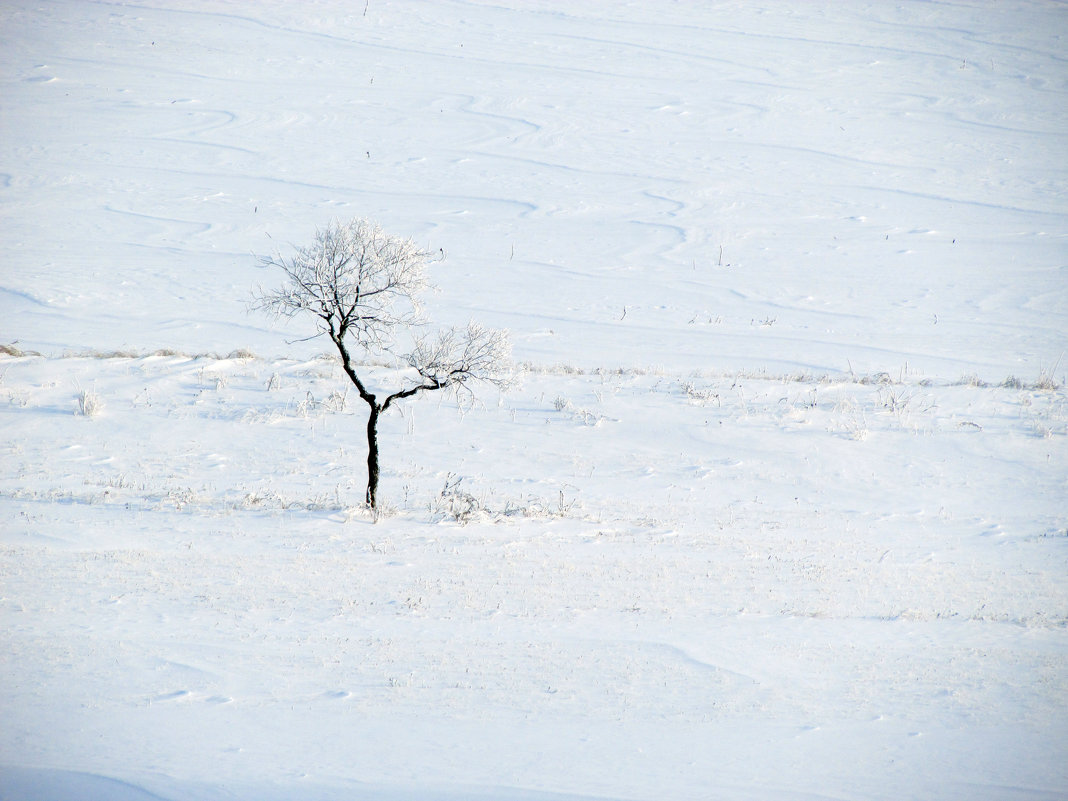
(361, 286)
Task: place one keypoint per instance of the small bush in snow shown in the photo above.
(89, 403)
(700, 396)
(336, 401)
(971, 380)
(1045, 382)
(456, 504)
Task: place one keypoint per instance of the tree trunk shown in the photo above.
(372, 454)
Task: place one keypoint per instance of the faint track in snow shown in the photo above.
(18, 296)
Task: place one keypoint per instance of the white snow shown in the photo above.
(779, 510)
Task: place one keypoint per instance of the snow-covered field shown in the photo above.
(778, 511)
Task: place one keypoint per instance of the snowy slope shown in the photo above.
(884, 186)
(778, 510)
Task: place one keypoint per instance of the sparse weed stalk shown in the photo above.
(271, 500)
(972, 380)
(588, 418)
(853, 423)
(211, 379)
(179, 498)
(89, 403)
(307, 405)
(894, 399)
(1045, 382)
(743, 403)
(1048, 421)
(532, 507)
(701, 397)
(1041, 430)
(336, 401)
(879, 379)
(454, 503)
(379, 511)
(113, 354)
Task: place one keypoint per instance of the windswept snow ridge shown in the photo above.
(777, 512)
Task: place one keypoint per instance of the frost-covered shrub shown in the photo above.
(456, 504)
(89, 403)
(1045, 382)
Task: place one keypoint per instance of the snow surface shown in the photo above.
(779, 510)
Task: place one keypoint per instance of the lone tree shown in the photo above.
(361, 286)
